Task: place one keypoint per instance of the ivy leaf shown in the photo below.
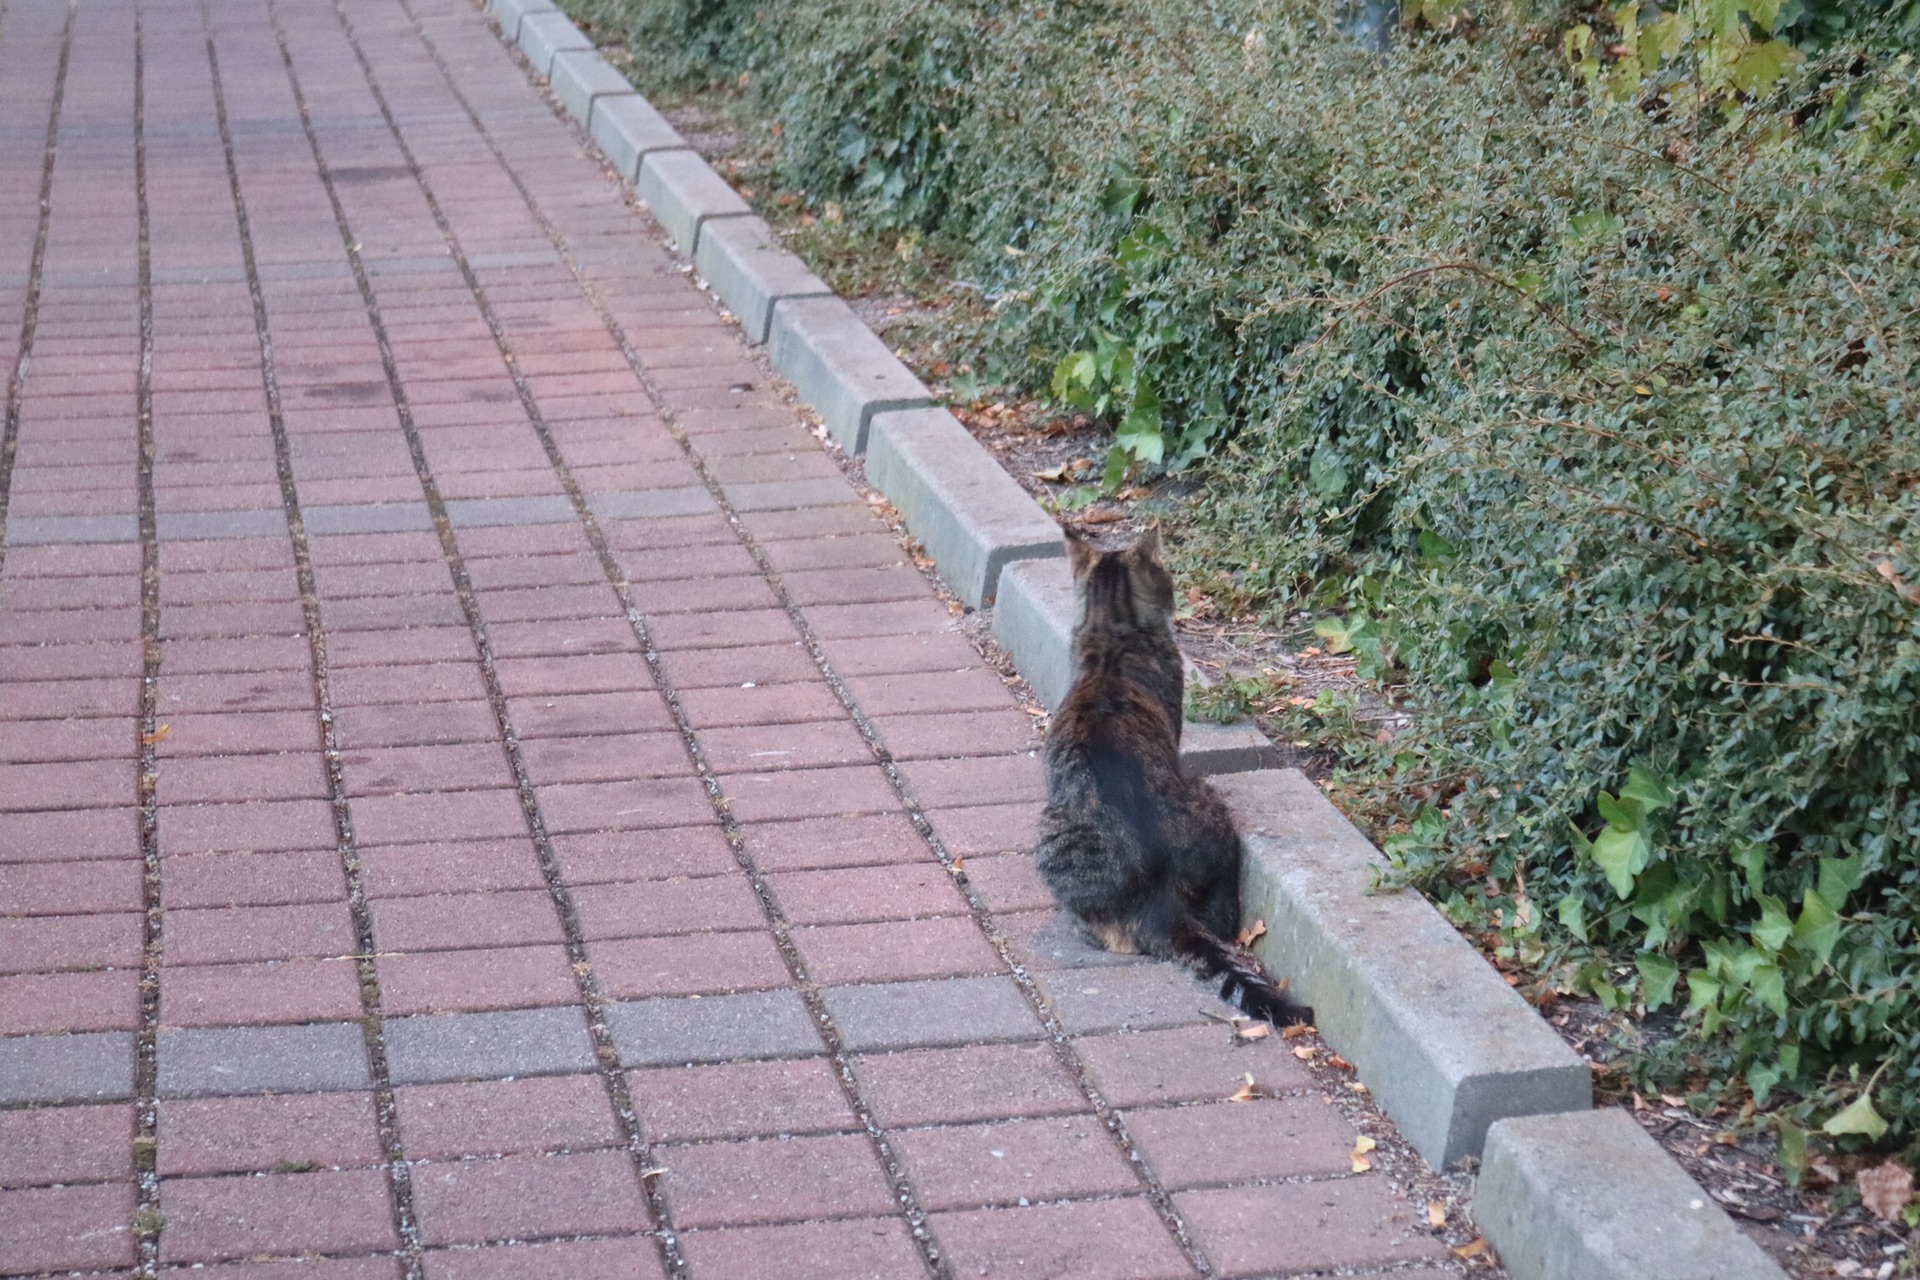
(1751, 858)
(1657, 977)
(1763, 64)
(1818, 927)
(1621, 854)
(1792, 1148)
(1769, 987)
(1857, 1117)
(1649, 788)
(1774, 926)
(1839, 877)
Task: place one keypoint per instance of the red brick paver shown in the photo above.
(407, 872)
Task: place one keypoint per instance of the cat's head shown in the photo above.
(1127, 588)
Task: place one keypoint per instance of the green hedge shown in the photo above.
(1596, 421)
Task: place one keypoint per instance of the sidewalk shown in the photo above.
(481, 794)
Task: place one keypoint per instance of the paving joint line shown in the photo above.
(1068, 1058)
(778, 925)
(147, 1221)
(592, 998)
(397, 1168)
(36, 272)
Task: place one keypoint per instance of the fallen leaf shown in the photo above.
(1824, 1168)
(1672, 1101)
(1907, 592)
(1248, 1091)
(1052, 475)
(1297, 1030)
(158, 735)
(1252, 1031)
(653, 1172)
(1886, 1189)
(1335, 1060)
(1253, 933)
(1303, 1052)
(1473, 1249)
(1361, 1164)
(1356, 1086)
(1101, 517)
(1436, 1214)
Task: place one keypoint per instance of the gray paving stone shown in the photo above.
(509, 12)
(753, 1024)
(487, 1046)
(1446, 1046)
(691, 500)
(95, 1066)
(42, 531)
(541, 35)
(194, 526)
(840, 367)
(1590, 1196)
(683, 191)
(582, 76)
(1033, 618)
(973, 517)
(1135, 997)
(480, 513)
(947, 1011)
(787, 495)
(322, 1056)
(743, 263)
(628, 129)
(367, 517)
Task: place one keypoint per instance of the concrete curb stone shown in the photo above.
(508, 14)
(743, 263)
(973, 517)
(683, 191)
(542, 35)
(1033, 621)
(840, 367)
(628, 129)
(580, 77)
(1445, 1045)
(1590, 1196)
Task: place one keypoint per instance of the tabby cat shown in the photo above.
(1144, 858)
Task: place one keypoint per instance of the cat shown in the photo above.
(1145, 859)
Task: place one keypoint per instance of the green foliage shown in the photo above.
(1586, 397)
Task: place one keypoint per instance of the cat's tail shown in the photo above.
(1242, 985)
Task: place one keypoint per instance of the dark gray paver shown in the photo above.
(752, 1024)
(367, 517)
(945, 1011)
(475, 513)
(313, 1058)
(95, 1066)
(484, 1046)
(1128, 997)
(37, 531)
(643, 504)
(183, 526)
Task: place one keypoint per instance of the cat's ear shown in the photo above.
(1148, 548)
(1081, 554)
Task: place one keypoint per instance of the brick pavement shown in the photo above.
(481, 795)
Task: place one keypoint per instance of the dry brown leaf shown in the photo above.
(1252, 1031)
(1472, 1249)
(1101, 517)
(1361, 1164)
(1436, 1214)
(1886, 1189)
(1303, 1052)
(1906, 590)
(1297, 1030)
(1052, 475)
(1253, 933)
(1248, 1091)
(1335, 1060)
(158, 735)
